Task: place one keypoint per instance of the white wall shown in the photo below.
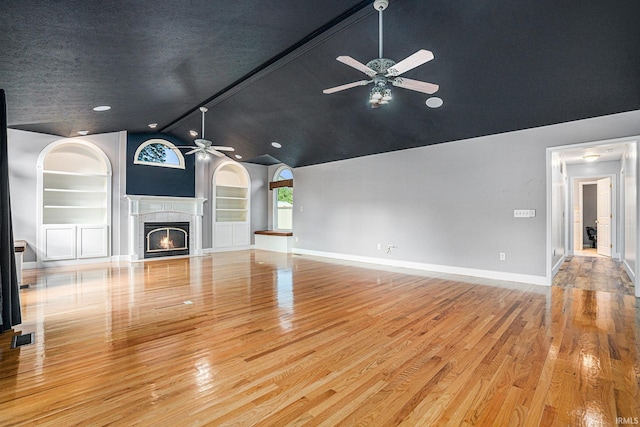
(447, 205)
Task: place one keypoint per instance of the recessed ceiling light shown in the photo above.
(153, 125)
(238, 156)
(193, 133)
(434, 102)
(276, 144)
(591, 157)
(83, 132)
(101, 108)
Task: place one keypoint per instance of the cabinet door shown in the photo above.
(59, 242)
(223, 237)
(93, 241)
(241, 234)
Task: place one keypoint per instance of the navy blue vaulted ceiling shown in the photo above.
(260, 67)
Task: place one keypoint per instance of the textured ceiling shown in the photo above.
(261, 66)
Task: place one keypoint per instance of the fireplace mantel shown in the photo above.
(161, 208)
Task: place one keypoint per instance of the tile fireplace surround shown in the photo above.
(164, 209)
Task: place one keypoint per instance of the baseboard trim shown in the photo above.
(556, 267)
(29, 265)
(72, 262)
(236, 248)
(629, 271)
(485, 274)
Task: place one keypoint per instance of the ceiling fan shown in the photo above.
(204, 147)
(383, 71)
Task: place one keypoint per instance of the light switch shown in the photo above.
(524, 213)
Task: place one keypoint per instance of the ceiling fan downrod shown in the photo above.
(380, 5)
(204, 110)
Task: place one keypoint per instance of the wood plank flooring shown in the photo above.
(594, 273)
(259, 338)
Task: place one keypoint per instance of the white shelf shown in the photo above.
(53, 172)
(73, 207)
(231, 186)
(66, 190)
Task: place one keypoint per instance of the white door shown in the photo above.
(604, 216)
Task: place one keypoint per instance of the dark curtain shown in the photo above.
(9, 291)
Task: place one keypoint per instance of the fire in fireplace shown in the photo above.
(166, 239)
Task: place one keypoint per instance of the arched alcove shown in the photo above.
(74, 201)
(231, 207)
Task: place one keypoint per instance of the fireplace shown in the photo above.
(161, 209)
(166, 239)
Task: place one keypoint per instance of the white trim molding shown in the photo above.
(463, 271)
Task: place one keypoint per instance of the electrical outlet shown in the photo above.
(379, 246)
(503, 256)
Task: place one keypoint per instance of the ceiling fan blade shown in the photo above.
(417, 85)
(220, 148)
(357, 65)
(347, 86)
(418, 58)
(214, 152)
(195, 150)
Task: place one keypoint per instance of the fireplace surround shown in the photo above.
(161, 209)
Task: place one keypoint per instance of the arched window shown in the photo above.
(282, 187)
(159, 152)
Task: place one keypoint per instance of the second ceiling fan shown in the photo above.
(383, 71)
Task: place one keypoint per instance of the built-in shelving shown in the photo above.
(74, 213)
(74, 197)
(231, 196)
(231, 210)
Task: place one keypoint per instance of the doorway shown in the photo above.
(613, 164)
(592, 207)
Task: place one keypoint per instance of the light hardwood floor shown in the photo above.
(259, 338)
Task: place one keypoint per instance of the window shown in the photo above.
(283, 199)
(159, 152)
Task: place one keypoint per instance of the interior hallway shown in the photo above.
(594, 273)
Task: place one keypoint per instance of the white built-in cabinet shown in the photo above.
(74, 201)
(231, 188)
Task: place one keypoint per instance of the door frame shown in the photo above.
(582, 181)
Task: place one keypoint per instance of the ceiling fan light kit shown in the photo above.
(383, 71)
